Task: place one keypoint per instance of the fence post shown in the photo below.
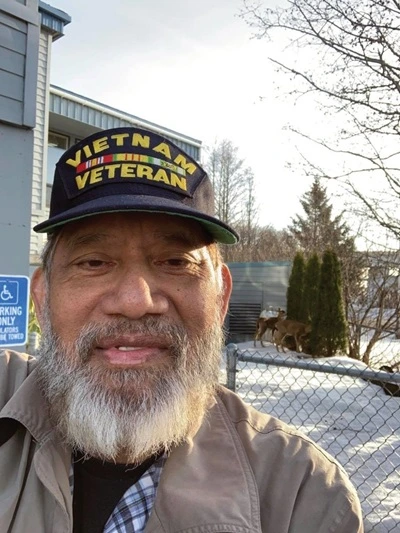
(231, 360)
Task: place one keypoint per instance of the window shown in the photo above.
(56, 140)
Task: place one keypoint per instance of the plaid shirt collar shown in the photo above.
(133, 510)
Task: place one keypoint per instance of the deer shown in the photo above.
(298, 330)
(263, 324)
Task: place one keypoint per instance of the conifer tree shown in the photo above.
(328, 335)
(294, 294)
(318, 230)
(311, 287)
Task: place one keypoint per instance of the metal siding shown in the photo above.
(103, 120)
(12, 86)
(15, 198)
(53, 24)
(18, 36)
(53, 19)
(31, 72)
(12, 39)
(11, 23)
(12, 62)
(12, 44)
(10, 110)
(22, 11)
(256, 286)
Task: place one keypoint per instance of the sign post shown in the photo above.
(14, 310)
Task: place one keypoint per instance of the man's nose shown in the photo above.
(134, 295)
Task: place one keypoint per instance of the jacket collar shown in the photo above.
(28, 407)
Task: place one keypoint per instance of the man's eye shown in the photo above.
(95, 263)
(179, 262)
(92, 263)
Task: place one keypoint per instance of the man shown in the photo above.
(120, 425)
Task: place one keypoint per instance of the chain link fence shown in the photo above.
(343, 407)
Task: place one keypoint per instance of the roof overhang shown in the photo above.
(53, 19)
(75, 114)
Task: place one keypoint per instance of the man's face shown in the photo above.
(132, 311)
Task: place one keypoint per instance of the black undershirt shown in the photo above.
(98, 487)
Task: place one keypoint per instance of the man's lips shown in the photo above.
(131, 351)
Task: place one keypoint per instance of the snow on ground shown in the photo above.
(351, 419)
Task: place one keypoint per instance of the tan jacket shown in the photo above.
(243, 472)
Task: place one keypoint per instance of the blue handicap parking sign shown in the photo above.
(14, 310)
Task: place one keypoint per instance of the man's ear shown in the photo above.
(226, 291)
(38, 293)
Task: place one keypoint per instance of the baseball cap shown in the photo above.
(132, 169)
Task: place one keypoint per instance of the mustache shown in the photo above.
(173, 335)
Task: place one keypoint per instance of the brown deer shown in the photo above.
(264, 324)
(296, 329)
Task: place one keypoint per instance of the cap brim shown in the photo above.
(220, 231)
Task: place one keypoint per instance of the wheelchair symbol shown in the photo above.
(5, 294)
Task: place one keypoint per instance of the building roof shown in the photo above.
(53, 19)
(66, 106)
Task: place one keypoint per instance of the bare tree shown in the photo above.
(267, 244)
(234, 197)
(372, 301)
(349, 63)
(250, 210)
(272, 244)
(225, 169)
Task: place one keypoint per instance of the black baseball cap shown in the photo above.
(132, 169)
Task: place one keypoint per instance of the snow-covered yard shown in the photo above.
(350, 418)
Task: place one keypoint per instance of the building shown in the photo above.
(63, 118)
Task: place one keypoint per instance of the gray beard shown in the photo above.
(130, 413)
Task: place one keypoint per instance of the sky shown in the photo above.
(192, 67)
(353, 420)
